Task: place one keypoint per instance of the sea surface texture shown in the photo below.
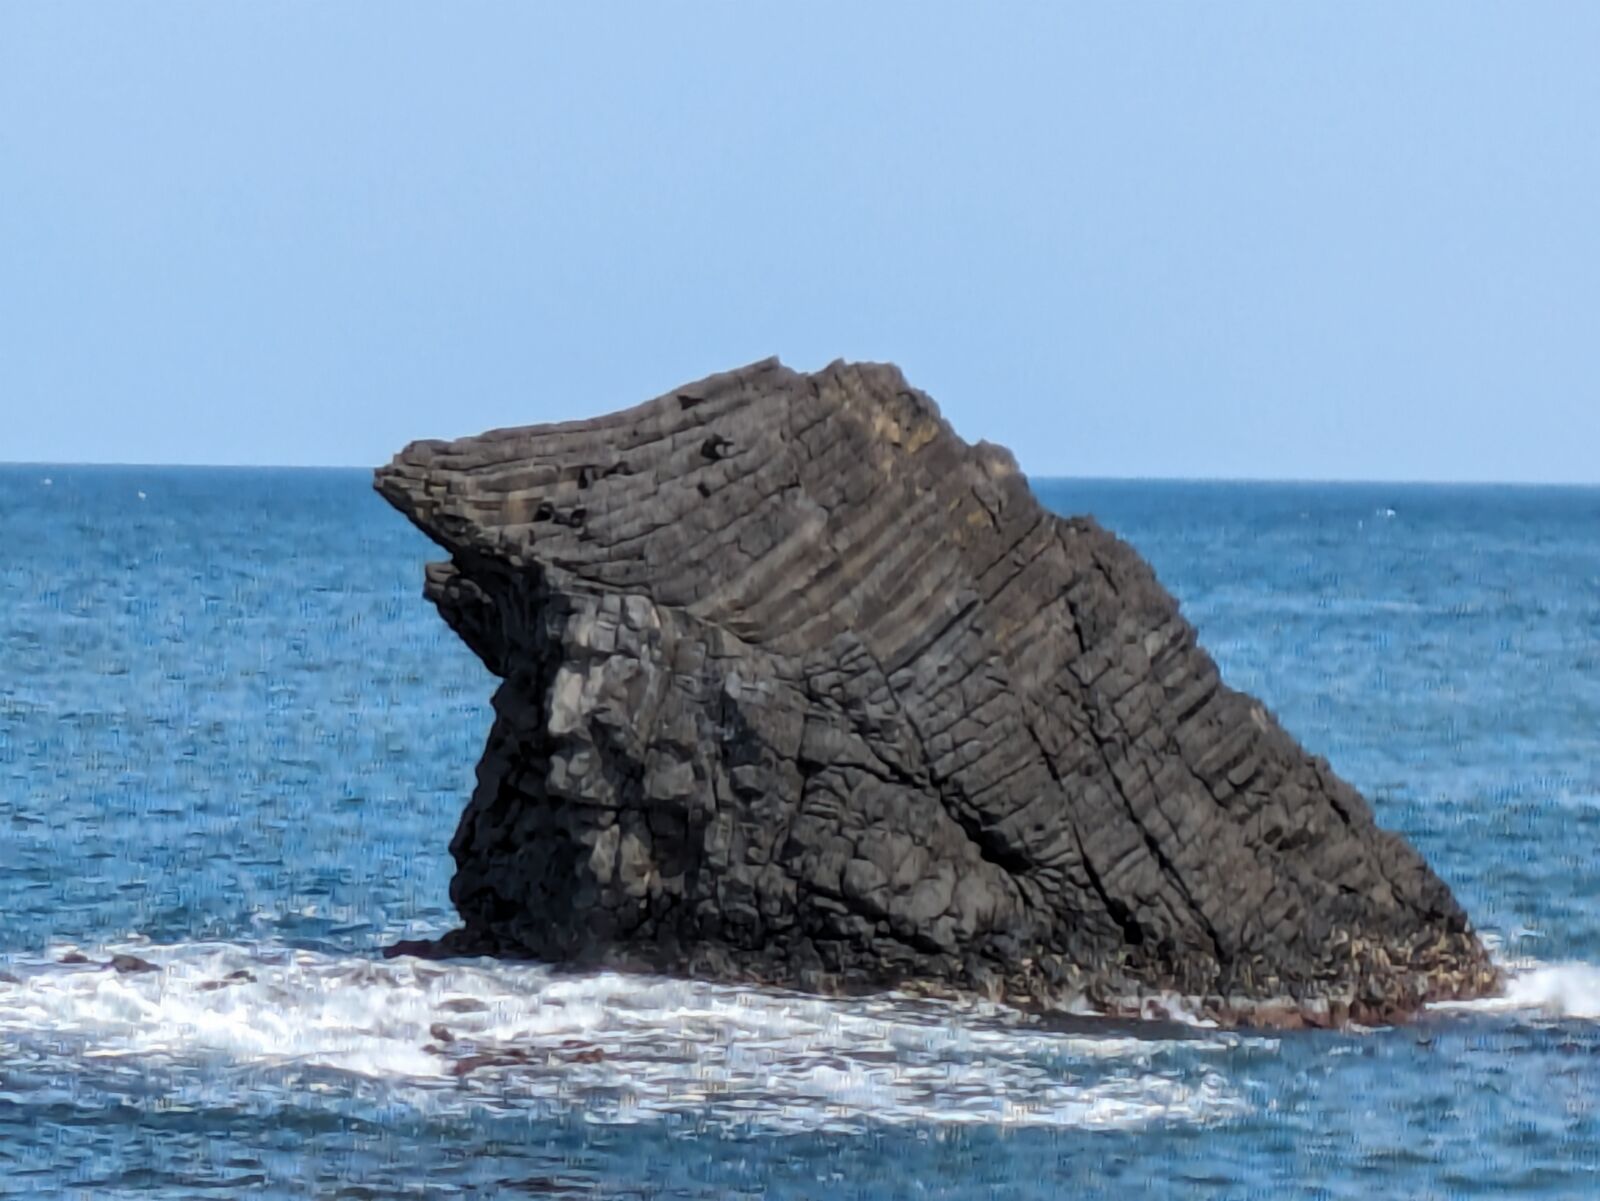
(234, 742)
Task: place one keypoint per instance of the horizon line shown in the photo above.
(1031, 476)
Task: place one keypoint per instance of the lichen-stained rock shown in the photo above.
(800, 688)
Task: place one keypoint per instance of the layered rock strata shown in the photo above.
(800, 688)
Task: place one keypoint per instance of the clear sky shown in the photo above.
(1283, 240)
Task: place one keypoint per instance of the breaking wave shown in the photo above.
(616, 1048)
(1553, 990)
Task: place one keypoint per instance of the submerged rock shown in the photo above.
(130, 964)
(800, 688)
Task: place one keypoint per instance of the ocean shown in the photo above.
(234, 743)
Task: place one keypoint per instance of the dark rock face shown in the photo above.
(801, 688)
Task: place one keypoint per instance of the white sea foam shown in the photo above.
(1556, 990)
(613, 1047)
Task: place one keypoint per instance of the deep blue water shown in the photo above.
(234, 739)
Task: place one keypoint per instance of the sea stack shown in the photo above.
(799, 688)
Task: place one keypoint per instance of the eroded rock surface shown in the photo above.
(800, 688)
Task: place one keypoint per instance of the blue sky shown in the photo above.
(1244, 240)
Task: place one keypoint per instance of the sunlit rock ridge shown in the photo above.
(800, 688)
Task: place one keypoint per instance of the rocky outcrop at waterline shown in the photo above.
(800, 688)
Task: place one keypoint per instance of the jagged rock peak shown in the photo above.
(800, 688)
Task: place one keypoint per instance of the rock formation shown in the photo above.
(800, 688)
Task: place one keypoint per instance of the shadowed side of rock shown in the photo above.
(800, 688)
